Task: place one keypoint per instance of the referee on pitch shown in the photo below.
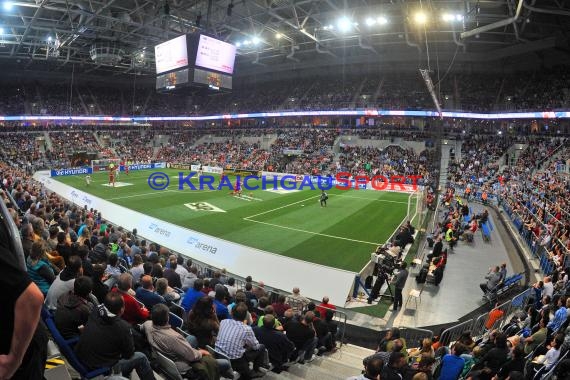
(323, 199)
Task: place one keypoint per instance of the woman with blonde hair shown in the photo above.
(85, 237)
(416, 354)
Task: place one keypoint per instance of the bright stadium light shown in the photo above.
(344, 24)
(449, 17)
(420, 18)
(382, 20)
(370, 21)
(255, 40)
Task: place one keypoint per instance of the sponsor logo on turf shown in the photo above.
(203, 206)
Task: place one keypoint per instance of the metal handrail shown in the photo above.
(340, 314)
(453, 333)
(12, 229)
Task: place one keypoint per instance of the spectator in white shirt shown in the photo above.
(231, 286)
(182, 272)
(237, 341)
(548, 289)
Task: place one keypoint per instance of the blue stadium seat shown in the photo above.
(174, 320)
(66, 348)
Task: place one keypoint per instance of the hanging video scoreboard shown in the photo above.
(194, 60)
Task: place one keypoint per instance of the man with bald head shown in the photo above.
(324, 306)
(297, 301)
(134, 313)
(259, 290)
(146, 294)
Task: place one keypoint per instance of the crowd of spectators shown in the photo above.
(392, 161)
(530, 345)
(116, 292)
(479, 163)
(468, 92)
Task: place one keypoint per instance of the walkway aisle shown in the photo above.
(458, 293)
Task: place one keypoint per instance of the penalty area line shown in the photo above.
(279, 208)
(160, 192)
(367, 199)
(312, 233)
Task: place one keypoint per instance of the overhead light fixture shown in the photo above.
(459, 17)
(255, 40)
(278, 36)
(230, 8)
(370, 21)
(344, 24)
(447, 17)
(382, 20)
(8, 5)
(246, 42)
(238, 44)
(49, 38)
(420, 18)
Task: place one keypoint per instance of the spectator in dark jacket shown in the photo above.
(99, 288)
(107, 341)
(280, 348)
(516, 363)
(73, 308)
(497, 356)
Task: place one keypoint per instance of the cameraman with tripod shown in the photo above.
(399, 282)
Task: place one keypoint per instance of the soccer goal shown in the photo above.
(103, 165)
(417, 207)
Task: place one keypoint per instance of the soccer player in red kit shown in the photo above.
(237, 188)
(112, 176)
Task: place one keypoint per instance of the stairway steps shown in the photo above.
(310, 371)
(357, 351)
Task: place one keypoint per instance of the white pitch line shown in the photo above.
(160, 192)
(313, 233)
(143, 194)
(279, 208)
(368, 199)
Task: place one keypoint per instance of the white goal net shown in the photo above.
(103, 165)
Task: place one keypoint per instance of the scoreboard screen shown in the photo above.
(212, 80)
(215, 55)
(194, 63)
(171, 55)
(173, 80)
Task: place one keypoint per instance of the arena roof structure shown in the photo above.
(118, 36)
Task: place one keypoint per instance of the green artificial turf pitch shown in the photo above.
(293, 224)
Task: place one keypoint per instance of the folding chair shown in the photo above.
(416, 294)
